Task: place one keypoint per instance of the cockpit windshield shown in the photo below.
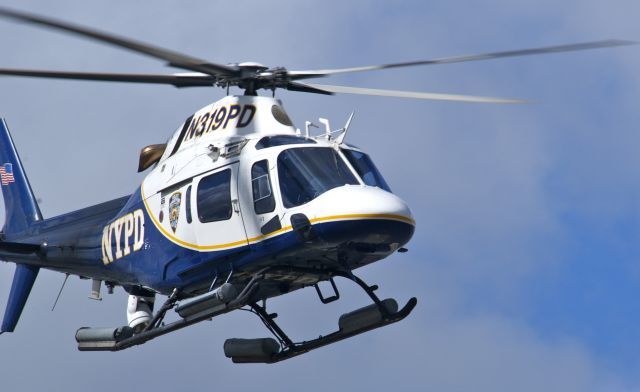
(307, 172)
(366, 169)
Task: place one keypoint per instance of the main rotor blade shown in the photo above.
(306, 88)
(178, 80)
(459, 59)
(173, 58)
(412, 94)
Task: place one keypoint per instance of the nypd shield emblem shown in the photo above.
(174, 210)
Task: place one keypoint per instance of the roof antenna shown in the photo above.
(60, 292)
(327, 127)
(344, 130)
(307, 125)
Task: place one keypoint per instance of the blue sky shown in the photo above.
(525, 258)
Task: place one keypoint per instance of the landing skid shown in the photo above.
(379, 314)
(268, 350)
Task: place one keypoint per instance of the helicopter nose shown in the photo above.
(367, 219)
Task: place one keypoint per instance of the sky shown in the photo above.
(525, 259)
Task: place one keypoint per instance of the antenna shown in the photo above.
(327, 127)
(60, 292)
(307, 125)
(344, 130)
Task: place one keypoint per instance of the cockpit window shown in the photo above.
(307, 172)
(281, 140)
(366, 169)
(263, 200)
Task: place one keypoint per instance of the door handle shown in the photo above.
(236, 206)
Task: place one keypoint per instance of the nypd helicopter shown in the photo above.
(238, 206)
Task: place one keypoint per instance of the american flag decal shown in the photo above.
(6, 174)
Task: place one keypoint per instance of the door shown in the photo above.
(258, 198)
(217, 217)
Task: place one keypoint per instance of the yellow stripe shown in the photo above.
(339, 217)
(272, 234)
(365, 216)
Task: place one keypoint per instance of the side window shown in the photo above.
(214, 197)
(263, 200)
(187, 206)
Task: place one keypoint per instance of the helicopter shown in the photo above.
(238, 206)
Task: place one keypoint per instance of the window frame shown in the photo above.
(271, 196)
(187, 205)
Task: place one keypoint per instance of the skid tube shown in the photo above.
(379, 314)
